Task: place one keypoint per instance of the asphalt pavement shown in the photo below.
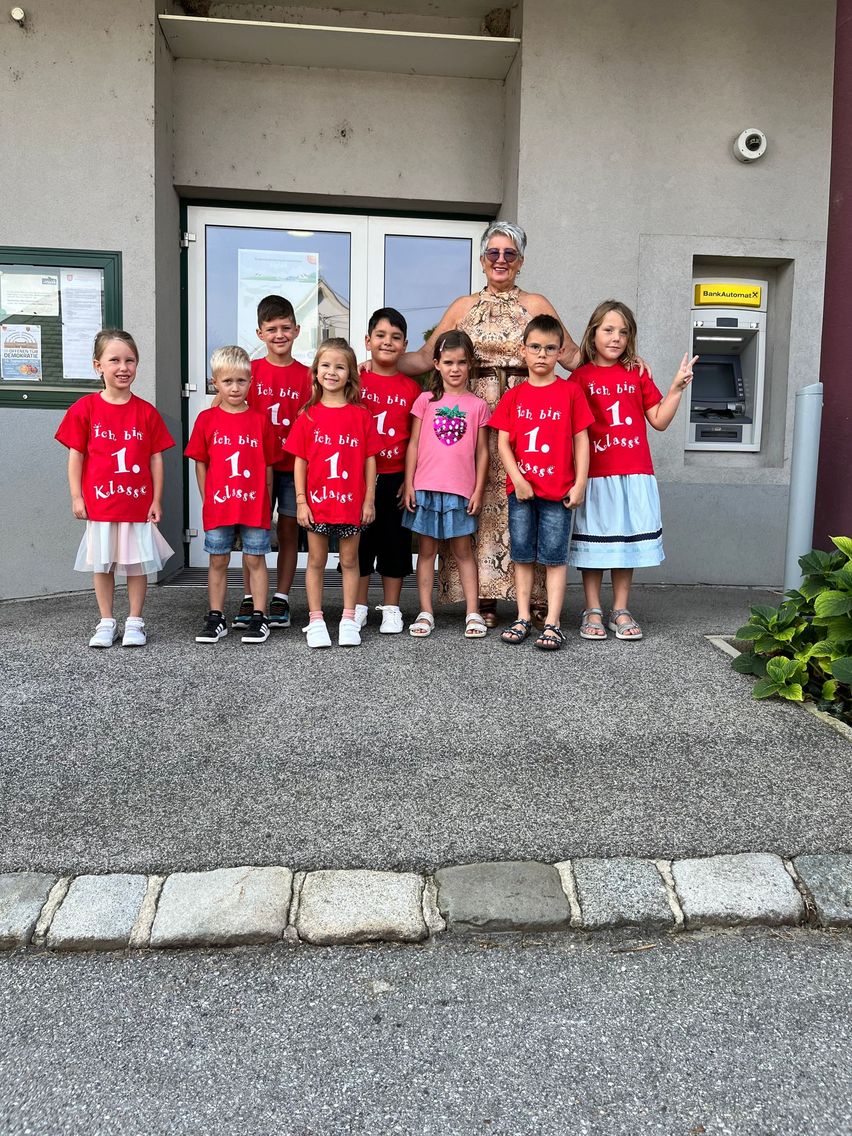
(716, 1034)
(402, 753)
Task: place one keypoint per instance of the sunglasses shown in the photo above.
(509, 255)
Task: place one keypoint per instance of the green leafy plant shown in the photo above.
(802, 649)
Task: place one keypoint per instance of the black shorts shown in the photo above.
(385, 545)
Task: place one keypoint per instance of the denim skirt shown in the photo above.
(440, 515)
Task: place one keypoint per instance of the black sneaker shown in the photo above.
(214, 628)
(243, 616)
(257, 630)
(279, 612)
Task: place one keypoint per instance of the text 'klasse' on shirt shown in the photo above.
(389, 398)
(446, 452)
(541, 422)
(280, 393)
(618, 438)
(236, 448)
(117, 441)
(335, 441)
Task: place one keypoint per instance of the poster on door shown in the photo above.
(294, 275)
(20, 352)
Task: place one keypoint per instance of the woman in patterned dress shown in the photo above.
(494, 319)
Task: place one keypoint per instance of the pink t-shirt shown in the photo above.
(618, 398)
(236, 448)
(541, 423)
(117, 441)
(446, 454)
(335, 441)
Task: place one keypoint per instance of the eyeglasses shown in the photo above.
(537, 348)
(509, 255)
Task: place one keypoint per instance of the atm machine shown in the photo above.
(729, 336)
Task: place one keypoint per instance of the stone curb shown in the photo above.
(247, 905)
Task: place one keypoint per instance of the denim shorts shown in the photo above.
(539, 531)
(219, 542)
(284, 492)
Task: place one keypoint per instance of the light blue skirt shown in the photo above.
(440, 515)
(618, 525)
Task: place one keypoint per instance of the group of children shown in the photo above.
(368, 458)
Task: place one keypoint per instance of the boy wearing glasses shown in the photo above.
(544, 446)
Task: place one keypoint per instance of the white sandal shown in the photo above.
(620, 628)
(423, 625)
(475, 626)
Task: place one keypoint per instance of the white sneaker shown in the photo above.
(134, 632)
(361, 613)
(105, 634)
(391, 620)
(349, 634)
(317, 634)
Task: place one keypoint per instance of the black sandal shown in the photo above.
(551, 639)
(517, 632)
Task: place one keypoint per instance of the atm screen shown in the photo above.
(715, 381)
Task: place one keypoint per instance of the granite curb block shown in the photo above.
(248, 905)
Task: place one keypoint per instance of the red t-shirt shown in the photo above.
(236, 448)
(389, 398)
(335, 441)
(541, 423)
(280, 392)
(618, 440)
(117, 441)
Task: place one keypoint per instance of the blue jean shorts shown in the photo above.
(284, 492)
(219, 542)
(539, 531)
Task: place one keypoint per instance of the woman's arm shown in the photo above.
(155, 513)
(419, 362)
(661, 415)
(75, 484)
(408, 496)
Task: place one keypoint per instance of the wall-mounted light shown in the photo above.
(18, 15)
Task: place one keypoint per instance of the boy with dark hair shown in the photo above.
(544, 446)
(389, 396)
(280, 388)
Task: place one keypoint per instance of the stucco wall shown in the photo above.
(346, 137)
(626, 174)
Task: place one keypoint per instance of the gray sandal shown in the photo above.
(586, 623)
(620, 628)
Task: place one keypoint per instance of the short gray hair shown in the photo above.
(230, 358)
(506, 229)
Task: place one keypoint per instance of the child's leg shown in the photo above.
(258, 579)
(622, 579)
(137, 586)
(104, 584)
(555, 582)
(524, 574)
(217, 580)
(592, 584)
(348, 555)
(363, 591)
(315, 572)
(427, 551)
(391, 590)
(288, 550)
(462, 549)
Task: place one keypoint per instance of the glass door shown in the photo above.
(334, 268)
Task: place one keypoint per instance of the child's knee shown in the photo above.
(461, 548)
(219, 561)
(253, 562)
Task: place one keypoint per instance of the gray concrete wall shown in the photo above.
(346, 138)
(80, 84)
(626, 175)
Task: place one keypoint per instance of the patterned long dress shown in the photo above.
(496, 325)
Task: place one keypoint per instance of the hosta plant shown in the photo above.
(802, 649)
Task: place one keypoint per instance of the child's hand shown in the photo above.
(684, 375)
(78, 508)
(576, 496)
(155, 513)
(304, 516)
(474, 505)
(523, 490)
(409, 497)
(368, 513)
(400, 496)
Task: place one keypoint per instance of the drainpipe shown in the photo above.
(803, 481)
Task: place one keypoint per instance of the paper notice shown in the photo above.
(264, 272)
(82, 319)
(34, 294)
(20, 352)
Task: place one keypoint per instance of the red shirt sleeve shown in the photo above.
(581, 413)
(196, 447)
(73, 430)
(297, 439)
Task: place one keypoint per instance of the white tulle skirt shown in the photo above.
(129, 548)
